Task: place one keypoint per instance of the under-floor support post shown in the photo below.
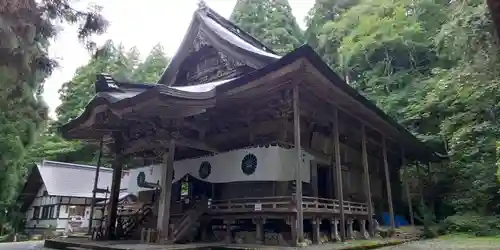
(335, 230)
(259, 230)
(350, 230)
(364, 232)
(292, 221)
(229, 234)
(204, 230)
(316, 230)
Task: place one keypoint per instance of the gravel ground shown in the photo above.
(26, 245)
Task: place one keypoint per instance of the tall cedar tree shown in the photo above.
(26, 27)
(269, 21)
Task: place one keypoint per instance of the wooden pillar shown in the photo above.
(292, 221)
(115, 188)
(163, 222)
(364, 232)
(316, 230)
(407, 188)
(420, 184)
(350, 229)
(314, 178)
(334, 230)
(298, 170)
(259, 230)
(94, 190)
(388, 185)
(204, 233)
(229, 236)
(368, 191)
(338, 168)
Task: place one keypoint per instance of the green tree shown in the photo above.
(153, 66)
(432, 65)
(324, 11)
(269, 21)
(26, 28)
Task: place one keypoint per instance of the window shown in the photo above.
(76, 211)
(51, 212)
(58, 211)
(36, 213)
(45, 213)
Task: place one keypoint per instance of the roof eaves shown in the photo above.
(316, 60)
(307, 52)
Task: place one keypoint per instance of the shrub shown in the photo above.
(471, 223)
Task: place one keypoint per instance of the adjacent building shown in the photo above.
(58, 195)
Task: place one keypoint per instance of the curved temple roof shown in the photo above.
(224, 36)
(185, 101)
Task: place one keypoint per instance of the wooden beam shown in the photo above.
(163, 222)
(338, 170)
(388, 185)
(298, 169)
(368, 192)
(327, 117)
(265, 127)
(407, 188)
(319, 107)
(115, 189)
(158, 141)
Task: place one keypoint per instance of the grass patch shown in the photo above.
(470, 238)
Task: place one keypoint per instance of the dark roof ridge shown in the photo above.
(233, 28)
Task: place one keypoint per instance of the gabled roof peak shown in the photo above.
(202, 5)
(214, 49)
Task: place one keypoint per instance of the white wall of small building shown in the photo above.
(59, 223)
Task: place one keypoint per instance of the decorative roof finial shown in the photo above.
(202, 5)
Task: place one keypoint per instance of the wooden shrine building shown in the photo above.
(268, 142)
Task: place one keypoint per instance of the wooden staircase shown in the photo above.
(189, 221)
(129, 225)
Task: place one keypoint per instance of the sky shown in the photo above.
(139, 23)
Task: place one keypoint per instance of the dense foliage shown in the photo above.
(270, 21)
(26, 28)
(415, 60)
(431, 64)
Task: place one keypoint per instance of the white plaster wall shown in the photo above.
(59, 224)
(41, 200)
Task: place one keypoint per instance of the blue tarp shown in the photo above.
(398, 220)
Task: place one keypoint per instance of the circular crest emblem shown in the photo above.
(249, 164)
(141, 179)
(204, 170)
